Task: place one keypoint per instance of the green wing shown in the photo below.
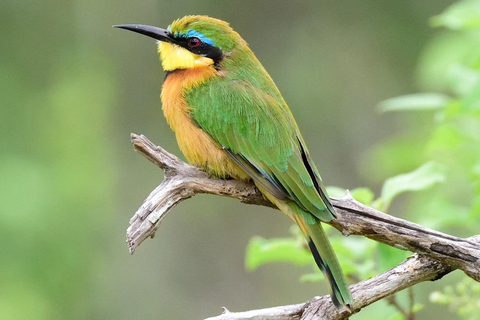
(260, 134)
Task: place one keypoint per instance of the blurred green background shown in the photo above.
(72, 89)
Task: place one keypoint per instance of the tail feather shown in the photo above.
(321, 249)
(326, 261)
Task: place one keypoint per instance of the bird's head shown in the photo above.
(192, 41)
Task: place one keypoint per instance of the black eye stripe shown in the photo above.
(201, 48)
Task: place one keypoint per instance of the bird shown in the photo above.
(230, 120)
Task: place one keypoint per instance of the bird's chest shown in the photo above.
(197, 146)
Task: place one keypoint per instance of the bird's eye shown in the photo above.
(193, 42)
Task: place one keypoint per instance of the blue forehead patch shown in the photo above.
(193, 33)
(190, 34)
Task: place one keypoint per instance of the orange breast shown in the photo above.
(197, 146)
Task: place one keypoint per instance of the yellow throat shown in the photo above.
(175, 57)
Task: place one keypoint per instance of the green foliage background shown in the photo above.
(72, 89)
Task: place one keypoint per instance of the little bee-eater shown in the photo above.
(230, 119)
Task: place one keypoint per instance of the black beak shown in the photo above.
(152, 32)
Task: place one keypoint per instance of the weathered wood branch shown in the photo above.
(441, 253)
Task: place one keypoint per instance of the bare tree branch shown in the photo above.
(441, 253)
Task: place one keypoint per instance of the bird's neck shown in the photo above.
(188, 78)
(176, 84)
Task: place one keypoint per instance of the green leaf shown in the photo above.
(415, 102)
(422, 178)
(462, 15)
(335, 192)
(378, 204)
(462, 299)
(261, 251)
(397, 316)
(363, 195)
(390, 257)
(463, 79)
(346, 253)
(437, 213)
(439, 298)
(417, 307)
(312, 277)
(356, 255)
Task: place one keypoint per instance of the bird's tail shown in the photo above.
(321, 249)
(324, 256)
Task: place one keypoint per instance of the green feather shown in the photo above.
(325, 258)
(260, 129)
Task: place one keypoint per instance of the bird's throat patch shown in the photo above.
(175, 57)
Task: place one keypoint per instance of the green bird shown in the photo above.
(230, 120)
